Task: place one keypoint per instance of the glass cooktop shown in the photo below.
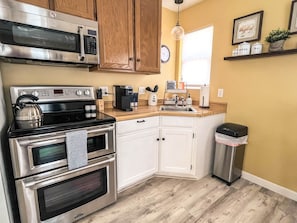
(59, 122)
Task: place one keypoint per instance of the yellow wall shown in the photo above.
(16, 74)
(261, 93)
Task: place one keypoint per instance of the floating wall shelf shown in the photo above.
(262, 55)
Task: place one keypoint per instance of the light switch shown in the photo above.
(220, 92)
(141, 90)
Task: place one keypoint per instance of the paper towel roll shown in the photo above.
(204, 97)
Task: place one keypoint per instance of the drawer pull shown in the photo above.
(140, 121)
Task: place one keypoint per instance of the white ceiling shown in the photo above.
(169, 4)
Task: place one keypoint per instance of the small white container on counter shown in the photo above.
(189, 100)
(153, 99)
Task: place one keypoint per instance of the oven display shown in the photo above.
(58, 91)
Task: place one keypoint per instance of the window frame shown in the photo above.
(191, 85)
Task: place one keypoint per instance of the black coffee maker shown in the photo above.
(123, 96)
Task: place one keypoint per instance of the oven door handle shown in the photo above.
(99, 131)
(35, 183)
(46, 142)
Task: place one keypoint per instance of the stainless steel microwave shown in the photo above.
(30, 33)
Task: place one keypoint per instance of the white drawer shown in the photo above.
(123, 127)
(177, 121)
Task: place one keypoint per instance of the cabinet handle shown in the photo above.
(137, 60)
(131, 58)
(158, 139)
(163, 139)
(140, 121)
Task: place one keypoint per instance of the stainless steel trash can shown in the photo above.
(229, 152)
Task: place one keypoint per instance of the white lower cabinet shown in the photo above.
(177, 145)
(137, 150)
(165, 145)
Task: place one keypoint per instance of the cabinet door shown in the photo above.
(116, 34)
(148, 35)
(176, 150)
(81, 8)
(137, 157)
(40, 3)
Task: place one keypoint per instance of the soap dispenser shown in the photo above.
(189, 100)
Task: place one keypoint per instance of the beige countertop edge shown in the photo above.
(150, 111)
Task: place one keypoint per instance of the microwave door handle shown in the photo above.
(82, 45)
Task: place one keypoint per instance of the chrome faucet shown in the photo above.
(176, 100)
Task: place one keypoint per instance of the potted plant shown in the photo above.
(277, 38)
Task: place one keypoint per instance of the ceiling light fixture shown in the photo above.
(178, 31)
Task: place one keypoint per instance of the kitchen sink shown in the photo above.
(177, 108)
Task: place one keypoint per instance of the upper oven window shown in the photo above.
(66, 195)
(57, 151)
(48, 153)
(96, 143)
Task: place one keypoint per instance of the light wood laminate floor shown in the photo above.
(207, 200)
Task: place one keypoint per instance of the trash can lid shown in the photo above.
(232, 129)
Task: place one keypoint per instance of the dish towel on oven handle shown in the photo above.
(76, 146)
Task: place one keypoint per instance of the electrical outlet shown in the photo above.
(141, 90)
(220, 92)
(104, 90)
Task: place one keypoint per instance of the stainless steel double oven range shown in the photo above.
(47, 191)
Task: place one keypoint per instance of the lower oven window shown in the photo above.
(69, 194)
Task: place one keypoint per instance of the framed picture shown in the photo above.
(247, 28)
(293, 18)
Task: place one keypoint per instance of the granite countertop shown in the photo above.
(149, 111)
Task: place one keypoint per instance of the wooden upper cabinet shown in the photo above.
(40, 3)
(115, 19)
(129, 35)
(148, 35)
(82, 8)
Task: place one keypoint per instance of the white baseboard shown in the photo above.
(269, 185)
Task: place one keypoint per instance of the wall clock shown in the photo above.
(165, 54)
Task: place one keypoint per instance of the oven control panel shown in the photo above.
(54, 93)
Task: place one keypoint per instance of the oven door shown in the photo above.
(39, 153)
(59, 196)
